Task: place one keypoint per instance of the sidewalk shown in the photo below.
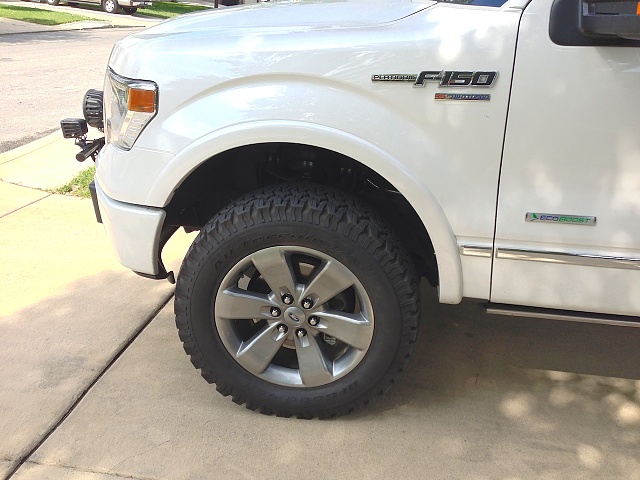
(9, 26)
(96, 19)
(45, 164)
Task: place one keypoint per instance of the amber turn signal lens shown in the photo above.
(142, 100)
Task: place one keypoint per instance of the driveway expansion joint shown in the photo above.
(25, 458)
(84, 470)
(26, 205)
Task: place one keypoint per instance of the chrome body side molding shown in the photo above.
(475, 251)
(583, 259)
(570, 316)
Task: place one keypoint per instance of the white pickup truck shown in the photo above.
(333, 153)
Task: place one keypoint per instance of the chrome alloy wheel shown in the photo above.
(294, 316)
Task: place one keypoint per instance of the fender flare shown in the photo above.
(417, 194)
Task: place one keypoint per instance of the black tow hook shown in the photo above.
(90, 149)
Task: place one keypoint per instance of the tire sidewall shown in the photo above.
(218, 259)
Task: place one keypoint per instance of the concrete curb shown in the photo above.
(43, 164)
(17, 27)
(29, 147)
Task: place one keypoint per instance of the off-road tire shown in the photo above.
(321, 219)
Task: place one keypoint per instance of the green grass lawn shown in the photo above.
(170, 9)
(37, 15)
(79, 185)
(159, 9)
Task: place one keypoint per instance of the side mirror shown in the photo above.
(610, 18)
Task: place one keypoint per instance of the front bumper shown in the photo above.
(135, 232)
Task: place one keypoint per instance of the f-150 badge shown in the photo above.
(444, 78)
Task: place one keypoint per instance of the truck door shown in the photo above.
(568, 218)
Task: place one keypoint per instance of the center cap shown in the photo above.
(294, 316)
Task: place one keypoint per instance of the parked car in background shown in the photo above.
(111, 6)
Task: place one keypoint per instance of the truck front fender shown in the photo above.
(363, 151)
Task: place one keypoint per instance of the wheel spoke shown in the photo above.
(332, 279)
(235, 304)
(353, 329)
(275, 267)
(256, 354)
(314, 368)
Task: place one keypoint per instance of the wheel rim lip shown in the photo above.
(277, 374)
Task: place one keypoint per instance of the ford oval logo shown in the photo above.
(294, 317)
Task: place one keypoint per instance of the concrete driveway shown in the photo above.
(94, 383)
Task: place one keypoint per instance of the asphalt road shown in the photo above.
(44, 77)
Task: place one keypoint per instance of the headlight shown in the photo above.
(129, 106)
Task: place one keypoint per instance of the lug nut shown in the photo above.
(275, 312)
(313, 321)
(287, 298)
(282, 329)
(307, 303)
(301, 333)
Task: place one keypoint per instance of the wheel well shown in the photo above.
(241, 170)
